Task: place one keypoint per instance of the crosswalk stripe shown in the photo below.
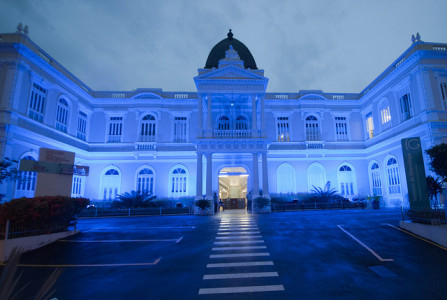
(239, 242)
(240, 275)
(237, 248)
(242, 289)
(250, 254)
(241, 264)
(238, 233)
(238, 237)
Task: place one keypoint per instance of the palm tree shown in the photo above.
(134, 199)
(434, 187)
(326, 195)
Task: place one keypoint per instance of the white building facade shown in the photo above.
(229, 137)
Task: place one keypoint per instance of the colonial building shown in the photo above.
(229, 137)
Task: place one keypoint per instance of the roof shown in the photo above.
(218, 52)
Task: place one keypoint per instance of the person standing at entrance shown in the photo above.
(221, 204)
(216, 207)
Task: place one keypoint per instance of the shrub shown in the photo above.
(326, 195)
(203, 204)
(42, 210)
(134, 199)
(261, 202)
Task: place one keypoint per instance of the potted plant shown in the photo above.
(203, 205)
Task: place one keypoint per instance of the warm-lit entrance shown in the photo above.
(233, 187)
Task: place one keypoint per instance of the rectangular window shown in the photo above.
(115, 129)
(76, 190)
(444, 94)
(37, 103)
(405, 107)
(283, 129)
(370, 125)
(386, 117)
(82, 126)
(341, 129)
(180, 129)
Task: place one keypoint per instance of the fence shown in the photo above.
(10, 230)
(94, 212)
(425, 216)
(278, 207)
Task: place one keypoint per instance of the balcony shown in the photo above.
(143, 146)
(236, 134)
(314, 145)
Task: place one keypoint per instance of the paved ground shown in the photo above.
(352, 254)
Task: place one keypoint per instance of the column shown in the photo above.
(209, 176)
(262, 115)
(209, 116)
(265, 175)
(200, 116)
(199, 194)
(255, 180)
(254, 116)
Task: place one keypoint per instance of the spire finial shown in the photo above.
(230, 35)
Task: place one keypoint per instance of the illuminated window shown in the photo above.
(223, 123)
(179, 182)
(26, 183)
(386, 117)
(282, 129)
(312, 129)
(180, 129)
(37, 102)
(111, 182)
(376, 182)
(285, 178)
(147, 132)
(77, 187)
(444, 94)
(145, 181)
(115, 129)
(316, 176)
(370, 125)
(82, 126)
(241, 123)
(392, 170)
(62, 115)
(405, 107)
(341, 129)
(346, 180)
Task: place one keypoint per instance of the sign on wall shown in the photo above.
(415, 173)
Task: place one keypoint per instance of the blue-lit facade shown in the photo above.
(229, 137)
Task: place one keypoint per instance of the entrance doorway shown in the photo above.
(233, 187)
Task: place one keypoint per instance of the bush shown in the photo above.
(203, 204)
(134, 199)
(41, 210)
(259, 203)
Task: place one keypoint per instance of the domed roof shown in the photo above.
(218, 52)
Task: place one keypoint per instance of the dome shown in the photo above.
(218, 52)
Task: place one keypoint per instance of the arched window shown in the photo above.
(26, 183)
(241, 123)
(223, 123)
(316, 176)
(147, 132)
(62, 115)
(346, 181)
(285, 178)
(392, 171)
(145, 181)
(312, 129)
(385, 114)
(111, 183)
(376, 182)
(179, 182)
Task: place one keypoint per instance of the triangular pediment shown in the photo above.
(230, 72)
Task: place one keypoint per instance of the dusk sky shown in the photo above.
(334, 46)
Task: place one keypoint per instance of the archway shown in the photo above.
(233, 187)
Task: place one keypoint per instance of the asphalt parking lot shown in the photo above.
(352, 254)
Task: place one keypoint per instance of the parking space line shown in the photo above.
(118, 241)
(238, 248)
(416, 236)
(240, 275)
(242, 289)
(366, 247)
(240, 255)
(91, 265)
(241, 264)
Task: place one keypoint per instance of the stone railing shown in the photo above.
(142, 146)
(314, 145)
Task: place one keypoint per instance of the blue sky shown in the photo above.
(334, 46)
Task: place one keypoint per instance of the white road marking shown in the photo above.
(237, 248)
(240, 255)
(366, 247)
(116, 241)
(242, 289)
(241, 264)
(238, 233)
(238, 237)
(239, 242)
(416, 236)
(179, 240)
(240, 275)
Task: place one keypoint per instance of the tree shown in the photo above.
(134, 199)
(438, 157)
(434, 188)
(8, 171)
(325, 195)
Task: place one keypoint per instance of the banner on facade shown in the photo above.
(53, 168)
(415, 173)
